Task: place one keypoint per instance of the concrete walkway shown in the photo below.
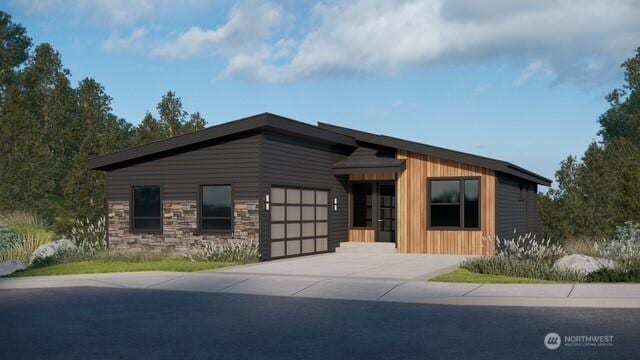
(353, 288)
(357, 265)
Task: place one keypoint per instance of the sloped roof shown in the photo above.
(383, 140)
(324, 132)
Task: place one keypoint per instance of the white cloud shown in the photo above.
(116, 44)
(391, 36)
(535, 68)
(112, 12)
(248, 23)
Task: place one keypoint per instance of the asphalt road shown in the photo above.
(102, 323)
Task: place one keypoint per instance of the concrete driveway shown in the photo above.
(355, 265)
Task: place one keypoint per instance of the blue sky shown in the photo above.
(523, 82)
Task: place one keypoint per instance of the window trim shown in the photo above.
(132, 228)
(199, 211)
(373, 205)
(460, 226)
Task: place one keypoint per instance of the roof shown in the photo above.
(383, 140)
(327, 133)
(264, 121)
(367, 160)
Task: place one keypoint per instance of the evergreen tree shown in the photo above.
(196, 122)
(14, 51)
(84, 191)
(172, 116)
(600, 192)
(149, 130)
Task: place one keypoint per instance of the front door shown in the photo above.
(386, 219)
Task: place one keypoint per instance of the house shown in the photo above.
(300, 189)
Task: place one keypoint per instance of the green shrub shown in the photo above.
(30, 242)
(90, 236)
(511, 266)
(627, 272)
(9, 239)
(625, 245)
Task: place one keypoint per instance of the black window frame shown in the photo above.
(352, 204)
(199, 211)
(132, 228)
(460, 227)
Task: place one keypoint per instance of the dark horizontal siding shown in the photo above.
(232, 161)
(512, 214)
(291, 162)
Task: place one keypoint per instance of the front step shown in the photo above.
(366, 248)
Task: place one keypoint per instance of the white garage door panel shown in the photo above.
(299, 221)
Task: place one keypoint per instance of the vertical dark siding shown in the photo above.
(512, 213)
(296, 162)
(232, 161)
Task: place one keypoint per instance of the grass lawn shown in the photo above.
(101, 266)
(466, 276)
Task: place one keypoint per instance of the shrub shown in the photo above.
(518, 267)
(242, 251)
(628, 273)
(89, 236)
(625, 245)
(29, 243)
(527, 247)
(9, 239)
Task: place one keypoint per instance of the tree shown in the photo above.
(150, 129)
(172, 116)
(14, 51)
(598, 193)
(196, 122)
(84, 191)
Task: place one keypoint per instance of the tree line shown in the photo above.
(600, 191)
(49, 129)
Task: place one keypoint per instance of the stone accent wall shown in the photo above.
(179, 228)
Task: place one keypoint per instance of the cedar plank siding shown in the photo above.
(412, 231)
(233, 161)
(288, 161)
(514, 214)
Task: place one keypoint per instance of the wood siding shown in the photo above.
(413, 235)
(362, 235)
(290, 161)
(373, 177)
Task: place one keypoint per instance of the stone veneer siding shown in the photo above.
(179, 228)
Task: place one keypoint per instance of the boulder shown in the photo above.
(53, 248)
(11, 266)
(583, 264)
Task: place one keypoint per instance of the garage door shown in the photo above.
(299, 221)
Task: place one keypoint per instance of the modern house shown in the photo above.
(299, 189)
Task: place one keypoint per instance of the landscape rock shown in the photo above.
(11, 266)
(52, 249)
(583, 264)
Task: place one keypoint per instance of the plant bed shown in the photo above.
(466, 276)
(106, 266)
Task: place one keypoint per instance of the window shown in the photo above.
(362, 204)
(454, 204)
(215, 208)
(147, 209)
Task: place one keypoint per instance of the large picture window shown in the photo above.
(454, 203)
(216, 210)
(362, 211)
(147, 209)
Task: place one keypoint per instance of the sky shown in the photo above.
(519, 81)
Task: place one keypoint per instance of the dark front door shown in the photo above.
(386, 219)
